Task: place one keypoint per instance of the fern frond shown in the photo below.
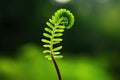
(47, 45)
(57, 48)
(47, 35)
(46, 51)
(48, 57)
(55, 53)
(58, 34)
(59, 30)
(61, 27)
(58, 57)
(51, 21)
(48, 30)
(45, 41)
(60, 20)
(56, 42)
(57, 39)
(50, 25)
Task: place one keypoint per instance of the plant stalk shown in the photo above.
(56, 67)
(52, 56)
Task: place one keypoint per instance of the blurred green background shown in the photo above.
(91, 48)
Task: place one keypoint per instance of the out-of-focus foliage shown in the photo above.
(31, 65)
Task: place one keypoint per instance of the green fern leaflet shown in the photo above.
(60, 20)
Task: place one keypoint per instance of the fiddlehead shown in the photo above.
(60, 20)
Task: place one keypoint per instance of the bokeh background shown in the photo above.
(91, 48)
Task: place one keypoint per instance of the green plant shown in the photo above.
(62, 19)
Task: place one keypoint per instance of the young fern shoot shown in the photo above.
(60, 20)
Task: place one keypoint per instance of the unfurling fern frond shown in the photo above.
(60, 20)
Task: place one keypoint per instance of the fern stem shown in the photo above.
(56, 67)
(52, 55)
